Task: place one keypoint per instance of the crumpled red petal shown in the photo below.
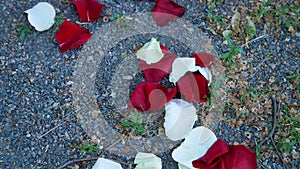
(166, 11)
(155, 72)
(203, 59)
(193, 87)
(222, 156)
(150, 96)
(88, 10)
(70, 36)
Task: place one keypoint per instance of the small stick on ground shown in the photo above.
(253, 40)
(270, 136)
(62, 121)
(274, 122)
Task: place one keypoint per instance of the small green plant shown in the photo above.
(292, 76)
(249, 29)
(23, 30)
(213, 90)
(115, 17)
(292, 127)
(122, 21)
(228, 56)
(244, 97)
(257, 151)
(86, 148)
(217, 18)
(214, 18)
(254, 93)
(263, 10)
(285, 144)
(58, 22)
(135, 120)
(288, 15)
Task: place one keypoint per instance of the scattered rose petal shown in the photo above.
(180, 67)
(166, 11)
(179, 119)
(205, 72)
(203, 59)
(181, 166)
(193, 87)
(150, 52)
(195, 145)
(150, 96)
(41, 16)
(222, 156)
(70, 36)
(147, 161)
(155, 72)
(88, 10)
(103, 163)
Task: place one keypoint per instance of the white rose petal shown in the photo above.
(181, 166)
(103, 163)
(195, 146)
(150, 52)
(147, 161)
(41, 16)
(179, 119)
(180, 66)
(205, 72)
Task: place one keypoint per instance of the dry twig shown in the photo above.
(271, 134)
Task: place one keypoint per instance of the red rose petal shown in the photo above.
(203, 59)
(222, 156)
(194, 87)
(150, 97)
(70, 36)
(166, 11)
(155, 72)
(89, 10)
(212, 158)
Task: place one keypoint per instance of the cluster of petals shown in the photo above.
(188, 74)
(201, 149)
(42, 17)
(69, 35)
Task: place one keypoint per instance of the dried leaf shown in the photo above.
(235, 22)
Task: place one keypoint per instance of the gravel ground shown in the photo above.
(40, 127)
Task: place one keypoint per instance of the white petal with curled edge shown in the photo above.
(181, 166)
(179, 119)
(41, 16)
(180, 66)
(205, 72)
(195, 146)
(150, 52)
(103, 163)
(147, 161)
